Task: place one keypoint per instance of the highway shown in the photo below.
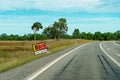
(91, 61)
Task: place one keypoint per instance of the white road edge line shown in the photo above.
(118, 54)
(109, 56)
(116, 43)
(41, 70)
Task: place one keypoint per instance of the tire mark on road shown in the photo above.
(57, 77)
(102, 64)
(110, 72)
(109, 65)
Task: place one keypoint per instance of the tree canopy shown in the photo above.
(57, 29)
(76, 33)
(35, 27)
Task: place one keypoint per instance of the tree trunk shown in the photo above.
(35, 37)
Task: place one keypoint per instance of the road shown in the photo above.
(92, 61)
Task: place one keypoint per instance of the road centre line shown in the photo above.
(109, 55)
(41, 70)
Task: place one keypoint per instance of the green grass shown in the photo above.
(16, 53)
(118, 42)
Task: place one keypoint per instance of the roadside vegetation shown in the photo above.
(76, 35)
(118, 42)
(15, 53)
(16, 50)
(58, 30)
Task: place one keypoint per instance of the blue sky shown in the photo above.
(17, 16)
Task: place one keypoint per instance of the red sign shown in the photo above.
(41, 45)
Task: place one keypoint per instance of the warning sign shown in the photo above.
(41, 45)
(40, 48)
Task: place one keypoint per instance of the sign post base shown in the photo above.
(41, 51)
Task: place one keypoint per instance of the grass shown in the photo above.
(16, 53)
(118, 42)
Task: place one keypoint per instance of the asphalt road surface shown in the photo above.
(92, 61)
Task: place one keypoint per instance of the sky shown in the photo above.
(17, 16)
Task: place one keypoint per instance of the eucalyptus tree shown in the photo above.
(76, 33)
(60, 28)
(57, 29)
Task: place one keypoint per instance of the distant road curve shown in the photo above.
(92, 61)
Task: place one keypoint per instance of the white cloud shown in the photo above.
(103, 19)
(47, 4)
(109, 5)
(87, 5)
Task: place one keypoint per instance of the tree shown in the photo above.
(60, 28)
(108, 36)
(89, 36)
(36, 26)
(98, 36)
(25, 37)
(117, 34)
(83, 35)
(76, 33)
(57, 29)
(66, 36)
(48, 31)
(4, 36)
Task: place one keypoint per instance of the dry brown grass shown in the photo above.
(15, 53)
